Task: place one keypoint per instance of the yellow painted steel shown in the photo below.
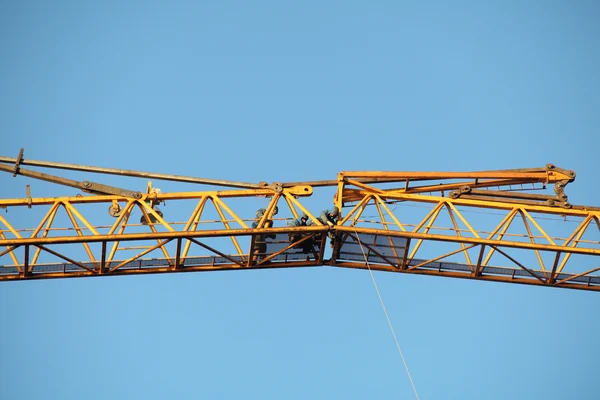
(122, 223)
(299, 191)
(540, 175)
(355, 190)
(218, 204)
(359, 192)
(391, 214)
(193, 223)
(458, 233)
(504, 224)
(537, 252)
(453, 207)
(431, 217)
(312, 218)
(359, 206)
(70, 211)
(580, 231)
(492, 205)
(385, 225)
(464, 248)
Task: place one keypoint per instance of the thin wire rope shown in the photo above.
(386, 315)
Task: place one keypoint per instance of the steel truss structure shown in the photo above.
(489, 225)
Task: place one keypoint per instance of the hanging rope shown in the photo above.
(386, 315)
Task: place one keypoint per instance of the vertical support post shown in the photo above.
(324, 238)
(103, 258)
(177, 254)
(26, 262)
(251, 251)
(339, 202)
(478, 267)
(404, 257)
(553, 274)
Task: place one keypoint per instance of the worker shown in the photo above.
(260, 244)
(259, 214)
(307, 245)
(330, 217)
(300, 221)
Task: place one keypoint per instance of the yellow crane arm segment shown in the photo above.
(489, 225)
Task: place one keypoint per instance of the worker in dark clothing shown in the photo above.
(300, 221)
(294, 237)
(259, 214)
(330, 217)
(260, 244)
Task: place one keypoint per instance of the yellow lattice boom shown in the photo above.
(514, 226)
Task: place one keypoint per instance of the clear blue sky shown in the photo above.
(282, 91)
